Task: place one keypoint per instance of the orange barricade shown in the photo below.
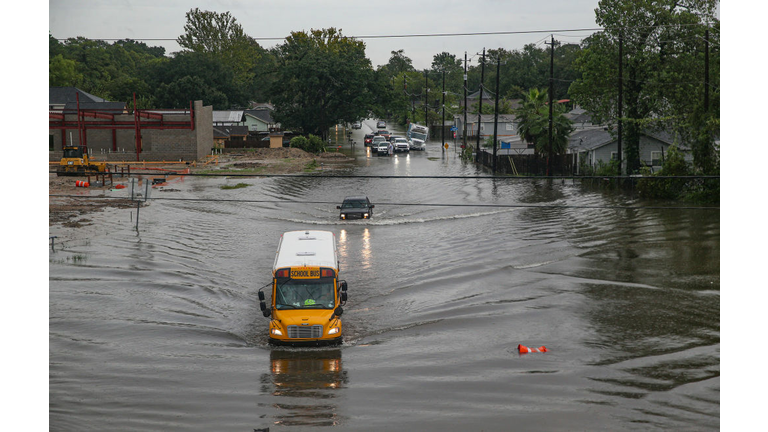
(525, 350)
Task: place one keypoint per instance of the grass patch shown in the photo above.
(237, 186)
(311, 166)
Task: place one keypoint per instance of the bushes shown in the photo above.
(696, 190)
(610, 168)
(312, 144)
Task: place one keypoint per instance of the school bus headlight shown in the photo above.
(333, 330)
(365, 215)
(343, 216)
(276, 332)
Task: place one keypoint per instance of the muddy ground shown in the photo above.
(68, 206)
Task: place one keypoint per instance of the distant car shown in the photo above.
(356, 207)
(381, 124)
(383, 132)
(356, 125)
(382, 148)
(368, 139)
(401, 145)
(376, 140)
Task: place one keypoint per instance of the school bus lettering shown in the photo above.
(305, 273)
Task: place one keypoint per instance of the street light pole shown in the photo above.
(464, 127)
(442, 133)
(480, 107)
(496, 113)
(551, 103)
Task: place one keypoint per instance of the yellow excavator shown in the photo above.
(76, 162)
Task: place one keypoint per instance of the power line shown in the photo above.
(391, 36)
(531, 206)
(419, 35)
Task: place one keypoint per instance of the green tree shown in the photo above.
(323, 78)
(662, 67)
(172, 78)
(140, 48)
(112, 71)
(63, 72)
(533, 123)
(222, 37)
(399, 63)
(310, 144)
(181, 91)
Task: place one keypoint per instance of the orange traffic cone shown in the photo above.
(525, 350)
(80, 183)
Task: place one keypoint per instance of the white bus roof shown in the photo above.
(306, 249)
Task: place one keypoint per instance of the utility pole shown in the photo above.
(706, 70)
(480, 107)
(426, 98)
(442, 128)
(405, 92)
(496, 113)
(551, 102)
(464, 126)
(620, 102)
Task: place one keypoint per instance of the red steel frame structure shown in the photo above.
(109, 122)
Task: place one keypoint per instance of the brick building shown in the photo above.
(109, 130)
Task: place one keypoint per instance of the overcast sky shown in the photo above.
(165, 19)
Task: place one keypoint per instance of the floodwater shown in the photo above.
(159, 329)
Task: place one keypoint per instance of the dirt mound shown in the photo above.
(68, 210)
(272, 153)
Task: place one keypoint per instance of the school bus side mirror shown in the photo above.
(343, 286)
(336, 313)
(343, 296)
(338, 207)
(264, 309)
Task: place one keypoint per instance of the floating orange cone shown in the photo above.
(80, 183)
(526, 350)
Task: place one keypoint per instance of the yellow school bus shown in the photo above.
(307, 294)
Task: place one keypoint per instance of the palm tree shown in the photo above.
(533, 123)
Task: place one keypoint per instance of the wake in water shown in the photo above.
(378, 221)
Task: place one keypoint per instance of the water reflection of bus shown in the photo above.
(308, 379)
(306, 293)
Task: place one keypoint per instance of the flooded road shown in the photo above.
(160, 329)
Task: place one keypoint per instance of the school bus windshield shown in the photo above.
(304, 294)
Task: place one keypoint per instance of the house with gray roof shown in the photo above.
(506, 127)
(580, 118)
(594, 145)
(228, 118)
(222, 134)
(258, 120)
(66, 99)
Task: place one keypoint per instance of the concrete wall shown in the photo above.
(156, 145)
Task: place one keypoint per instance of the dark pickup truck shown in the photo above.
(356, 207)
